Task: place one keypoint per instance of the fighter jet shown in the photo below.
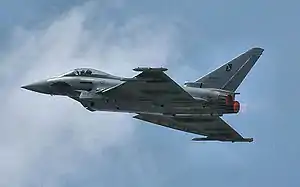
(195, 107)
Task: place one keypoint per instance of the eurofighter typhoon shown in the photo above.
(195, 107)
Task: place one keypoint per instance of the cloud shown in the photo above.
(43, 138)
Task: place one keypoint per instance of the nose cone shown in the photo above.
(40, 87)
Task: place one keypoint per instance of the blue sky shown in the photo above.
(55, 142)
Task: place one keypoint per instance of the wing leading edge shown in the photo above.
(214, 128)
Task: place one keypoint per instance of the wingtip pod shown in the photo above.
(149, 69)
(223, 140)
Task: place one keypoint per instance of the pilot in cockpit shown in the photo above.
(88, 72)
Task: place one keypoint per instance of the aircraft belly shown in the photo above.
(148, 107)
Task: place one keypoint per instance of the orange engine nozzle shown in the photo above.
(229, 100)
(236, 106)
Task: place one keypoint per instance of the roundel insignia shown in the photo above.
(228, 67)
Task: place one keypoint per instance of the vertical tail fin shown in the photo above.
(230, 75)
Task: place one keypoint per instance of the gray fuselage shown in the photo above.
(79, 87)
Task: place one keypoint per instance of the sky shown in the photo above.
(54, 142)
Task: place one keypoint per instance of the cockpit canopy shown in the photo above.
(88, 72)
